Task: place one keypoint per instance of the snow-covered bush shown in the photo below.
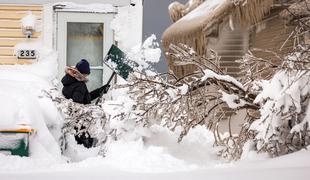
(206, 96)
(182, 102)
(79, 119)
(284, 123)
(123, 111)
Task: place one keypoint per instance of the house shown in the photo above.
(231, 28)
(77, 29)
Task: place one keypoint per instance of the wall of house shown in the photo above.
(11, 32)
(270, 34)
(273, 35)
(231, 45)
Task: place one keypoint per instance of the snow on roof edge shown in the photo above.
(203, 9)
(94, 7)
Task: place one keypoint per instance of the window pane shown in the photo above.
(84, 41)
(95, 79)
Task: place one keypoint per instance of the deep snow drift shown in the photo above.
(21, 88)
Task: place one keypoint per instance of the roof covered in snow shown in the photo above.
(212, 12)
(205, 21)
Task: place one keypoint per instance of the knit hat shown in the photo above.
(83, 66)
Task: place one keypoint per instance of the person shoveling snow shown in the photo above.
(75, 88)
(74, 83)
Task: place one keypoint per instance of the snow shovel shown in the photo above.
(118, 62)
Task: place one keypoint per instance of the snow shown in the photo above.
(29, 20)
(183, 89)
(45, 68)
(281, 93)
(153, 154)
(142, 153)
(11, 141)
(135, 162)
(211, 74)
(205, 9)
(299, 127)
(20, 105)
(127, 26)
(144, 56)
(96, 7)
(22, 101)
(232, 100)
(77, 152)
(151, 49)
(172, 93)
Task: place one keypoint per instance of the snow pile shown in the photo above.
(21, 105)
(22, 101)
(46, 67)
(196, 149)
(157, 153)
(139, 158)
(285, 168)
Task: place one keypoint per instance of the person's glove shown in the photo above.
(105, 88)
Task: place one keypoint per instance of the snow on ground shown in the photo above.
(21, 86)
(133, 161)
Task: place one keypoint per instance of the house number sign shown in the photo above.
(26, 54)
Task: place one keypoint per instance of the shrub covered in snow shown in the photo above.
(205, 97)
(79, 119)
(284, 123)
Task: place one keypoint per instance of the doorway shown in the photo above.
(87, 36)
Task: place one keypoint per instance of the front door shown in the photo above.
(85, 36)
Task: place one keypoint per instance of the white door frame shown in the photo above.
(61, 35)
